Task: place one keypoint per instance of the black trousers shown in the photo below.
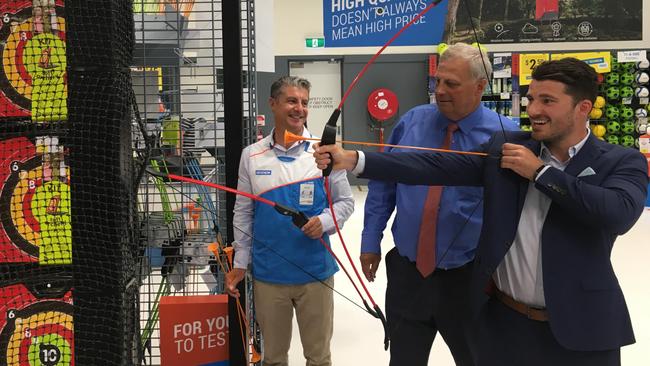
(418, 308)
(508, 338)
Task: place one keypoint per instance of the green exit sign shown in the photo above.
(315, 42)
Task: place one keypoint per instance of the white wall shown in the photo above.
(295, 20)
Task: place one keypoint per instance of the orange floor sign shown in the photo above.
(194, 330)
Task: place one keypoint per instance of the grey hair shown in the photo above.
(296, 81)
(474, 55)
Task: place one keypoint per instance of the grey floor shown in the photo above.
(358, 338)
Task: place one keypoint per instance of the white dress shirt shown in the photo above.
(520, 273)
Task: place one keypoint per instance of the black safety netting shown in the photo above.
(68, 293)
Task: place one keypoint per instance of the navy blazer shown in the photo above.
(587, 310)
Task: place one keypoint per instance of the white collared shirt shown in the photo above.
(520, 273)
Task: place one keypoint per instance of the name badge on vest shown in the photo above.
(307, 194)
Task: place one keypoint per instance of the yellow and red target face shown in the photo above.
(33, 331)
(41, 212)
(34, 202)
(33, 73)
(45, 338)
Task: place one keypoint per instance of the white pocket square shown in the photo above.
(587, 172)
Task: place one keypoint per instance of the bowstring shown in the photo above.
(258, 241)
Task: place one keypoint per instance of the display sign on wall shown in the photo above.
(534, 21)
(359, 23)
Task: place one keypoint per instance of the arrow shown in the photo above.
(299, 218)
(291, 138)
(255, 356)
(328, 137)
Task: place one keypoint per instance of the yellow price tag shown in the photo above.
(600, 61)
(527, 63)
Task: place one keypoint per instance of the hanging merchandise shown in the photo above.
(641, 77)
(596, 113)
(641, 92)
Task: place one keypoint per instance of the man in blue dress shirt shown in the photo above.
(418, 306)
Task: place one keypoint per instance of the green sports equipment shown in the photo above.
(628, 127)
(627, 79)
(626, 92)
(613, 93)
(611, 112)
(613, 127)
(612, 78)
(612, 139)
(628, 67)
(627, 140)
(625, 112)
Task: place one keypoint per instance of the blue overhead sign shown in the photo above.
(360, 23)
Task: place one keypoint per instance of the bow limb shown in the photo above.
(328, 137)
(376, 310)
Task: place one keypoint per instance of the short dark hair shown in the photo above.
(283, 81)
(580, 79)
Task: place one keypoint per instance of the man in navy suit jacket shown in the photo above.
(555, 199)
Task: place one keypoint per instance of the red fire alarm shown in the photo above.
(382, 104)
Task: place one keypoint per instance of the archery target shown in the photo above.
(34, 201)
(33, 72)
(35, 331)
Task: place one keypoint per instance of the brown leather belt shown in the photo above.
(529, 311)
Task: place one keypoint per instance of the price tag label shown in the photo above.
(527, 63)
(631, 56)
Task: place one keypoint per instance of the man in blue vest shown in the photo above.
(291, 269)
